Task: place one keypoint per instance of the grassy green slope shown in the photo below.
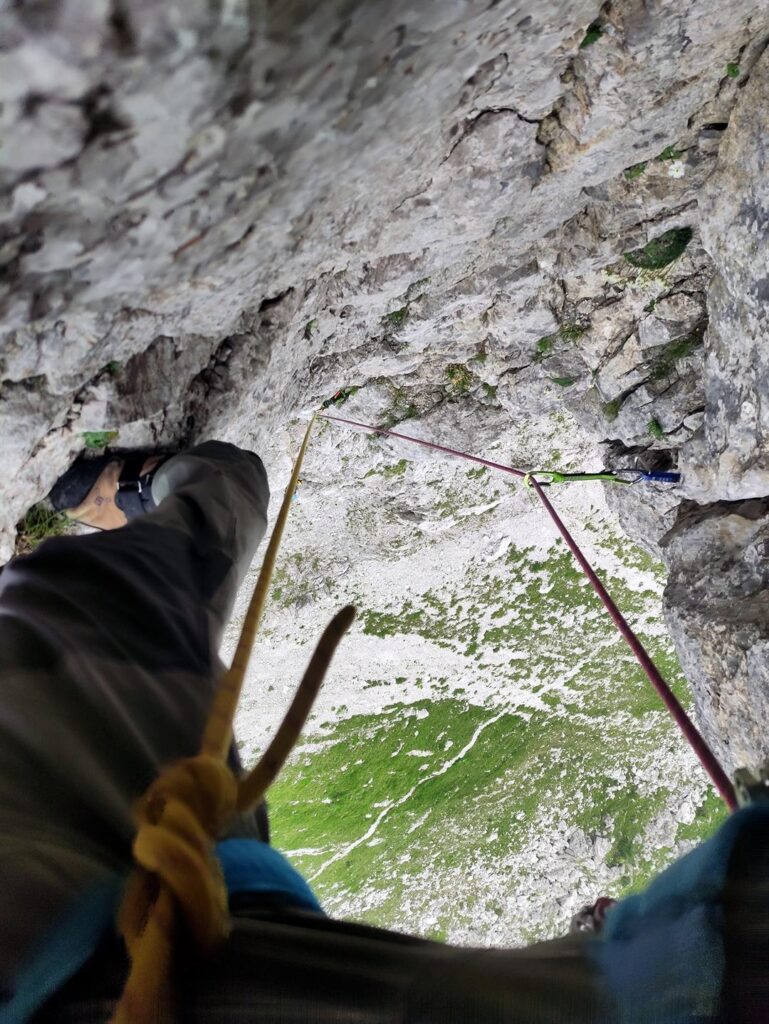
(451, 817)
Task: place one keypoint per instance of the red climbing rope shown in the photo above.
(425, 444)
(691, 734)
(697, 743)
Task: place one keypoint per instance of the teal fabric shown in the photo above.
(248, 866)
(63, 952)
(251, 866)
(661, 952)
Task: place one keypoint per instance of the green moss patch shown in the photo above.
(568, 333)
(398, 469)
(402, 409)
(631, 173)
(99, 438)
(611, 409)
(661, 251)
(664, 364)
(544, 347)
(592, 35)
(397, 317)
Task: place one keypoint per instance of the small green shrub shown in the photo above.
(655, 428)
(566, 332)
(670, 153)
(733, 69)
(401, 409)
(99, 438)
(660, 251)
(544, 347)
(665, 362)
(592, 35)
(112, 367)
(397, 470)
(416, 290)
(40, 522)
(631, 173)
(397, 317)
(459, 377)
(611, 409)
(570, 332)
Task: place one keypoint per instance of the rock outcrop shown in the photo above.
(717, 604)
(185, 185)
(729, 456)
(716, 599)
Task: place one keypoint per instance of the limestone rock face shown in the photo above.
(248, 203)
(729, 457)
(717, 606)
(716, 596)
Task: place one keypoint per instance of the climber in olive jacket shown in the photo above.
(108, 655)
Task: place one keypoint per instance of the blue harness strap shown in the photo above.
(248, 865)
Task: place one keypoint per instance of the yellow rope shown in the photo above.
(178, 819)
(185, 810)
(218, 733)
(253, 787)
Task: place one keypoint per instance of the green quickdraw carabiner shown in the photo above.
(546, 477)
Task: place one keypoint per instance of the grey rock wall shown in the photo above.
(717, 605)
(213, 215)
(729, 456)
(716, 600)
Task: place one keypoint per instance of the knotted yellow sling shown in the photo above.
(186, 809)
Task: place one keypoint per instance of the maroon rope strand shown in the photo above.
(691, 734)
(426, 444)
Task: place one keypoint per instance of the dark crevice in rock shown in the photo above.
(461, 131)
(413, 195)
(123, 37)
(157, 183)
(691, 513)
(271, 302)
(618, 455)
(101, 117)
